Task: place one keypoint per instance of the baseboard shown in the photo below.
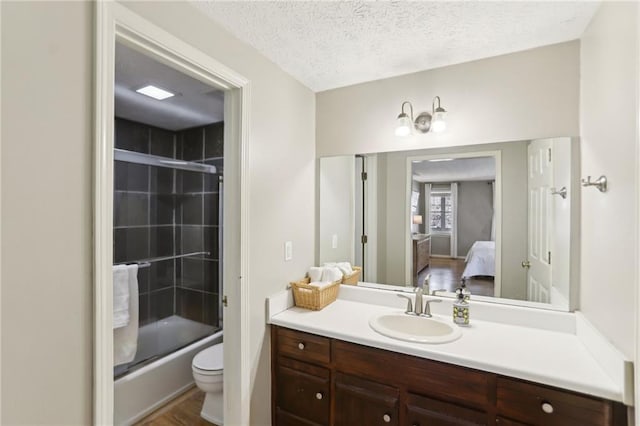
(160, 403)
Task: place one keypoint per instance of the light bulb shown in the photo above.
(403, 125)
(438, 124)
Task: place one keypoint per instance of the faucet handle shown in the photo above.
(427, 307)
(409, 305)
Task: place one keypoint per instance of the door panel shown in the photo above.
(540, 220)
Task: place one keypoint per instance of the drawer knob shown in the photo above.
(319, 395)
(386, 418)
(301, 346)
(546, 407)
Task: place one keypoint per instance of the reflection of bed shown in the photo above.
(481, 260)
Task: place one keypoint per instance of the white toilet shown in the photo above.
(207, 372)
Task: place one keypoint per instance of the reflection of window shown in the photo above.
(441, 211)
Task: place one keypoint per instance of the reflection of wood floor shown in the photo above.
(446, 273)
(184, 410)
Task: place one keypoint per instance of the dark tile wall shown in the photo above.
(198, 287)
(163, 212)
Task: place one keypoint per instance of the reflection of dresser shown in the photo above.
(421, 252)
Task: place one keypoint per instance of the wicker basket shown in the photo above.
(353, 278)
(311, 297)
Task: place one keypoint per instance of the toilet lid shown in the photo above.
(210, 358)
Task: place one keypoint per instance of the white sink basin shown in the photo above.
(414, 329)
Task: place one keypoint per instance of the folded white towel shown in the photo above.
(125, 339)
(315, 273)
(345, 267)
(331, 273)
(321, 284)
(120, 296)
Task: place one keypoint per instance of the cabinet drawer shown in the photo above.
(423, 411)
(541, 405)
(421, 376)
(362, 402)
(304, 346)
(303, 391)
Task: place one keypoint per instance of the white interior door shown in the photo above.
(540, 210)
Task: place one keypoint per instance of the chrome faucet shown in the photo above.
(417, 304)
(417, 307)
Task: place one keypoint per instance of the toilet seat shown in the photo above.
(209, 361)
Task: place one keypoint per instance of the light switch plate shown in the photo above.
(334, 241)
(288, 250)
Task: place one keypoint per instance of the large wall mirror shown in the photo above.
(502, 216)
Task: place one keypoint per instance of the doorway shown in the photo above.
(116, 25)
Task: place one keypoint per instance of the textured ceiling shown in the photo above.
(330, 44)
(195, 103)
(461, 169)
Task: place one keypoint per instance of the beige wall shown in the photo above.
(46, 213)
(336, 209)
(527, 95)
(608, 125)
(47, 101)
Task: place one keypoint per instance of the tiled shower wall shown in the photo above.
(164, 212)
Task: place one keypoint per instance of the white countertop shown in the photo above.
(542, 355)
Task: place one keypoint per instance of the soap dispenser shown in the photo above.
(465, 291)
(461, 308)
(425, 285)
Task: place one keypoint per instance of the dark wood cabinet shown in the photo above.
(423, 411)
(535, 404)
(322, 381)
(363, 402)
(421, 253)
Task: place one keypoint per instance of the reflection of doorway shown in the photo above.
(459, 198)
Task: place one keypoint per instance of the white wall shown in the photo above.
(336, 209)
(47, 102)
(520, 96)
(608, 125)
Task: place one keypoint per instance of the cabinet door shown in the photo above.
(362, 402)
(502, 421)
(287, 419)
(302, 391)
(423, 411)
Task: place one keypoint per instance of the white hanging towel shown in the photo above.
(125, 339)
(120, 296)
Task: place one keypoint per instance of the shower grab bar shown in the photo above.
(145, 263)
(158, 161)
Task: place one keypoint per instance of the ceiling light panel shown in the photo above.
(155, 92)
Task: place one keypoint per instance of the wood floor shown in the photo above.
(182, 411)
(446, 273)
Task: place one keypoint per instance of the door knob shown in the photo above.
(301, 346)
(386, 418)
(526, 264)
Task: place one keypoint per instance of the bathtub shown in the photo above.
(142, 391)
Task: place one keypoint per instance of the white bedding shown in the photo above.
(481, 260)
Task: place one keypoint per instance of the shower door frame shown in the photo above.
(116, 22)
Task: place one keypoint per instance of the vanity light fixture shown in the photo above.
(155, 92)
(424, 122)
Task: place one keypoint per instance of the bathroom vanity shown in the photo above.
(330, 368)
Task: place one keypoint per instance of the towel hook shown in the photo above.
(561, 192)
(600, 183)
